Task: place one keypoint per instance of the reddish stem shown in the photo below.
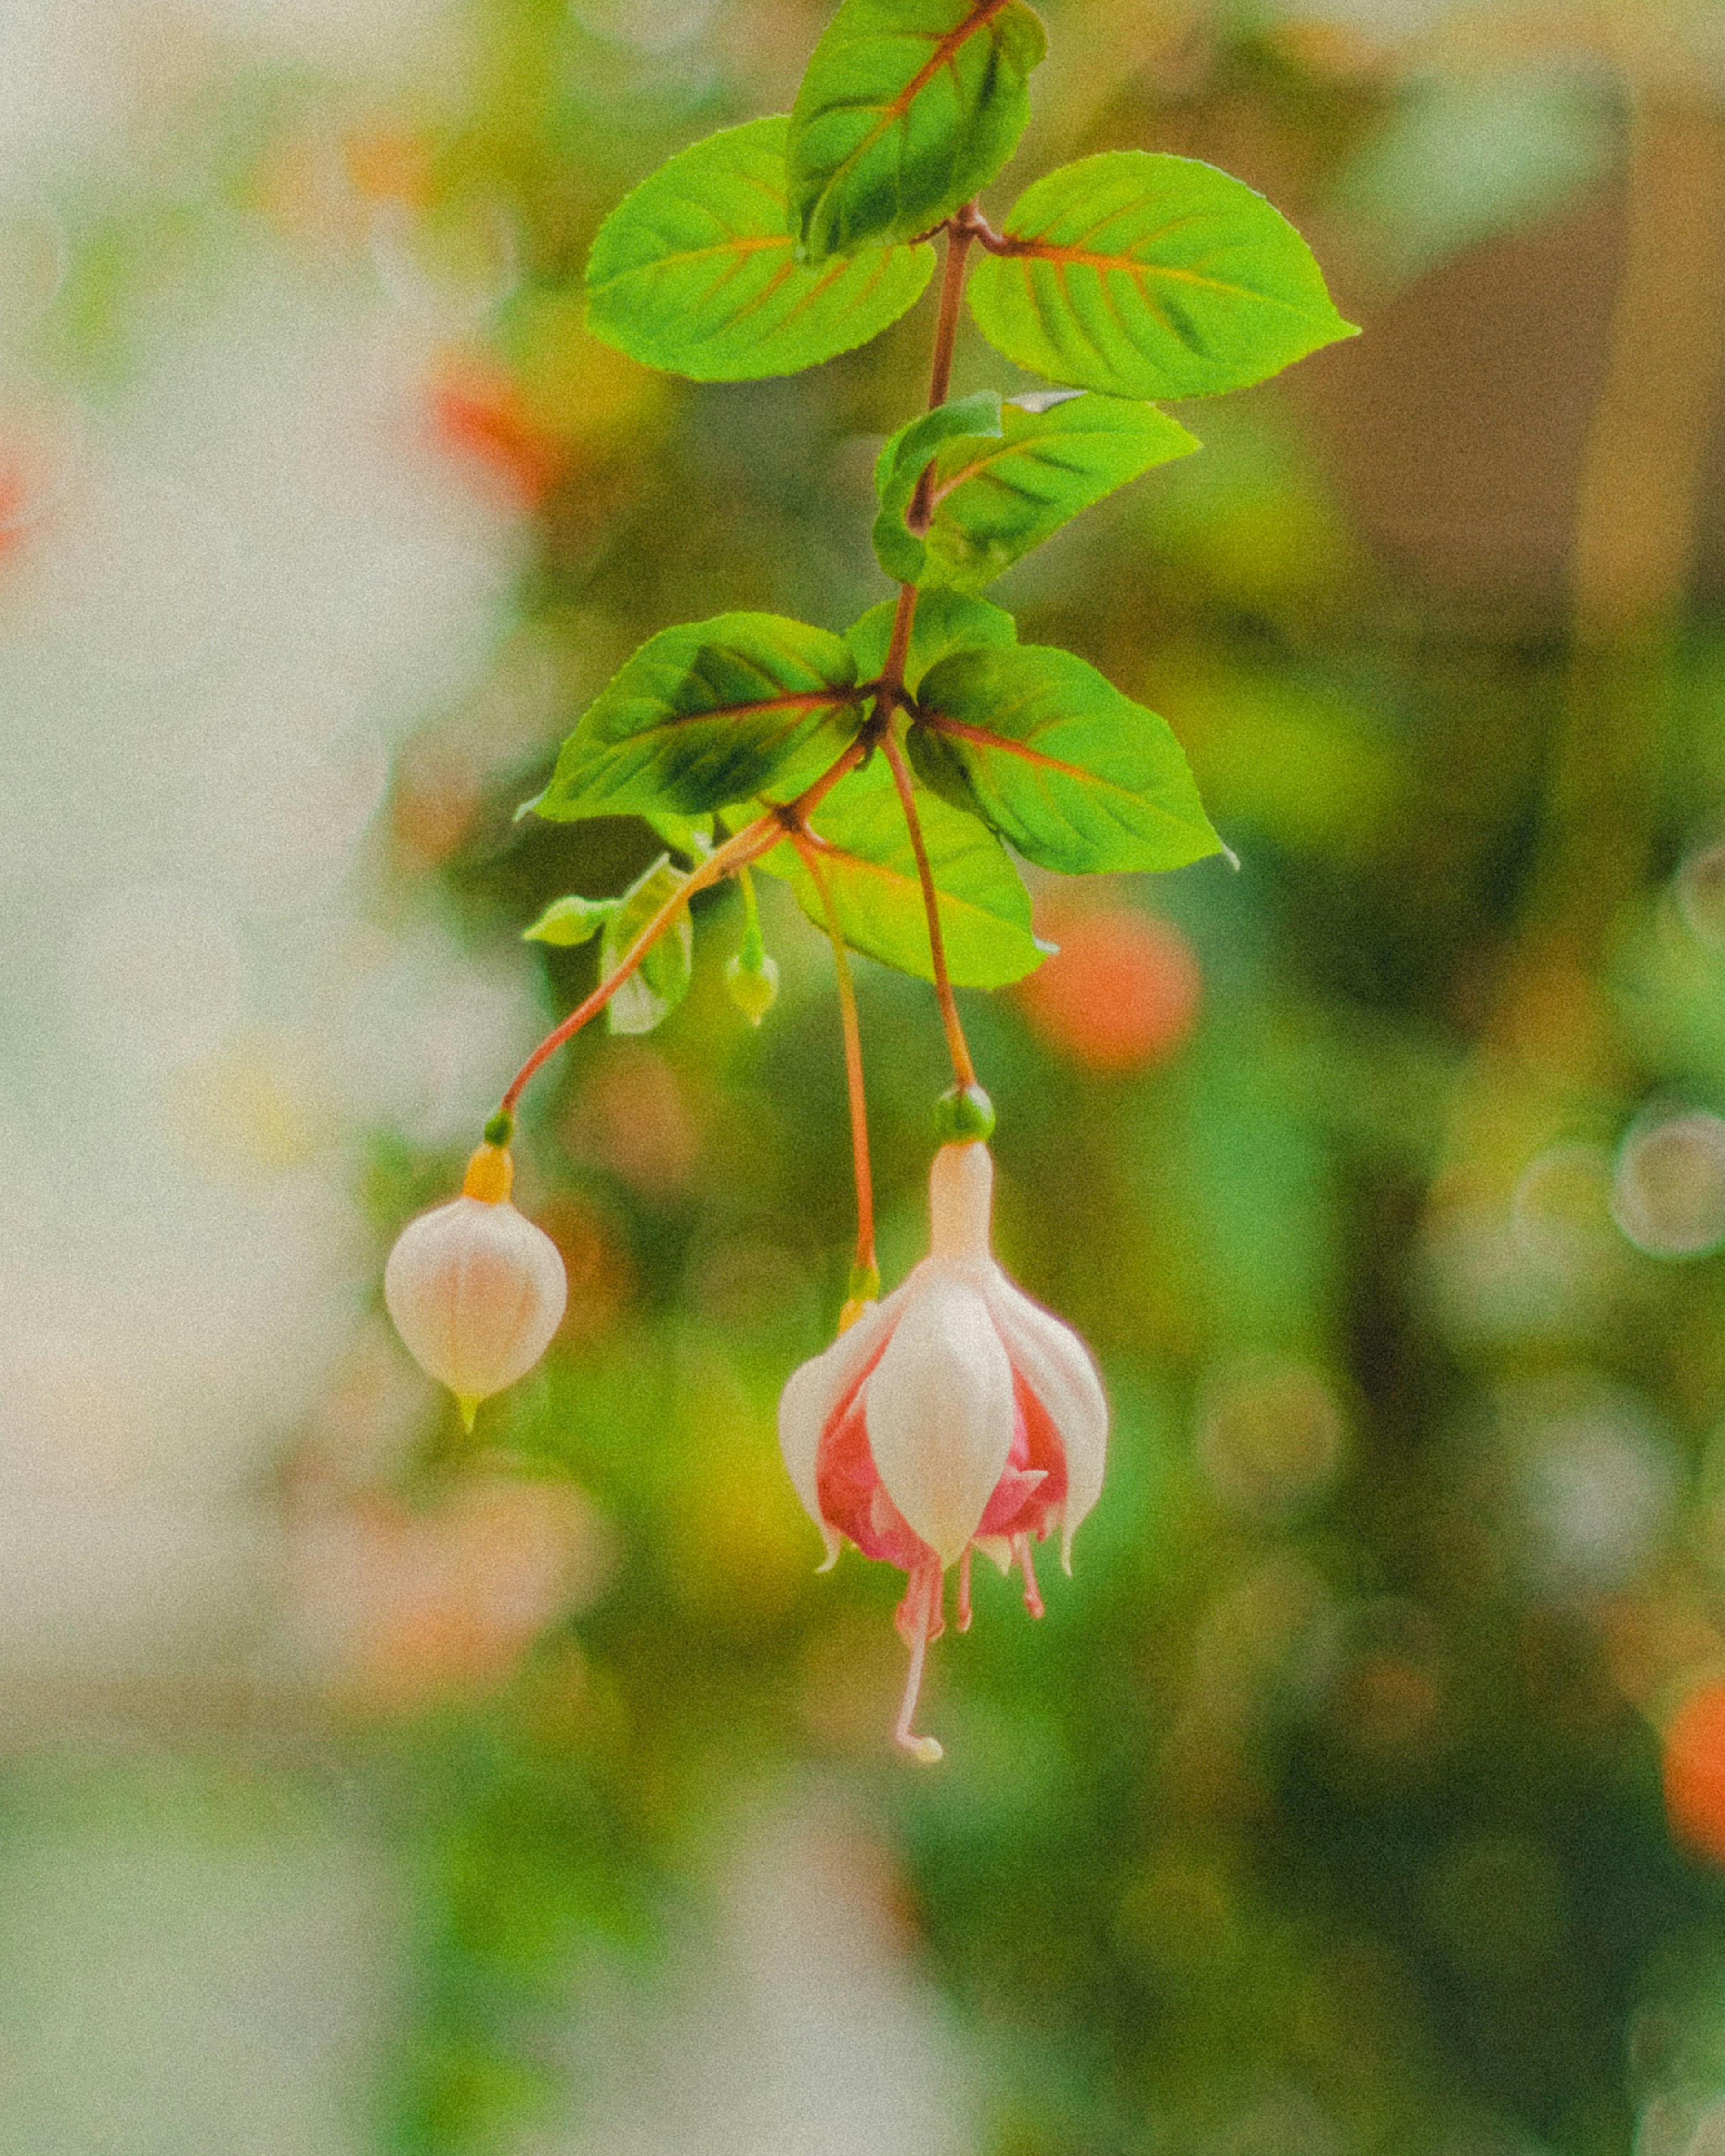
(961, 230)
(747, 845)
(964, 1070)
(959, 234)
(853, 1061)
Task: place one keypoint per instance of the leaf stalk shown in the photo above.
(747, 846)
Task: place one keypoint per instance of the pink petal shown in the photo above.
(1055, 1364)
(815, 1393)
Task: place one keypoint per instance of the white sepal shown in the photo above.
(1057, 1365)
(939, 1409)
(811, 1394)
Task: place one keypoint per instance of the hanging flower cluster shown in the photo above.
(883, 773)
(956, 1415)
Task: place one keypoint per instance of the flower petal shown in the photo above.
(1057, 1365)
(939, 1410)
(814, 1393)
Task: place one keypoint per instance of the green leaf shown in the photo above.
(567, 921)
(900, 464)
(661, 980)
(1078, 777)
(869, 869)
(944, 621)
(708, 714)
(1005, 489)
(1146, 275)
(694, 271)
(907, 108)
(690, 836)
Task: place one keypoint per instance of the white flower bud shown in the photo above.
(476, 1290)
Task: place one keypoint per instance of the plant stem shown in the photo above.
(959, 234)
(892, 673)
(767, 830)
(737, 852)
(964, 1070)
(865, 1261)
(961, 231)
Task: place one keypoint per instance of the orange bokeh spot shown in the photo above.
(1695, 1771)
(478, 412)
(31, 456)
(388, 164)
(398, 1608)
(1122, 991)
(435, 801)
(14, 507)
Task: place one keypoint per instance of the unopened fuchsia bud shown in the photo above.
(476, 1290)
(956, 1415)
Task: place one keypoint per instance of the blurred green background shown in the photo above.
(367, 1789)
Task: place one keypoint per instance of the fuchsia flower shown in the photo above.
(957, 1414)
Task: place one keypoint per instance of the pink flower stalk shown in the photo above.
(956, 1415)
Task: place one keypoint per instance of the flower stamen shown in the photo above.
(1033, 1593)
(961, 1616)
(918, 1620)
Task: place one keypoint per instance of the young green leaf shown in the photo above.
(908, 107)
(567, 921)
(694, 271)
(1004, 490)
(706, 714)
(661, 980)
(900, 464)
(944, 621)
(1078, 777)
(870, 871)
(1146, 275)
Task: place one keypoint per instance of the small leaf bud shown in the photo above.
(753, 989)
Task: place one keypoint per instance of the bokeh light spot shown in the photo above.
(1694, 1770)
(1269, 1437)
(1561, 1212)
(1668, 1187)
(1701, 896)
(1122, 991)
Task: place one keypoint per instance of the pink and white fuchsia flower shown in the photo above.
(956, 1415)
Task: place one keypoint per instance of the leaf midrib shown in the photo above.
(942, 723)
(1063, 257)
(894, 110)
